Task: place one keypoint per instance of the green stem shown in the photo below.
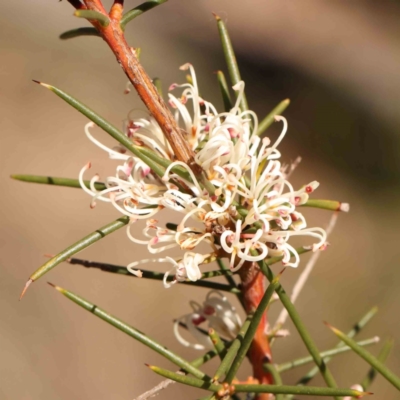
(254, 319)
(133, 332)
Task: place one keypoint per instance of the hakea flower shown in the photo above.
(220, 315)
(254, 208)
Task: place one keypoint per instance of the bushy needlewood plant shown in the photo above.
(225, 180)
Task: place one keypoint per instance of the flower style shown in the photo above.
(252, 212)
(220, 315)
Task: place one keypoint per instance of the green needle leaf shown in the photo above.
(75, 248)
(328, 353)
(354, 331)
(139, 10)
(331, 205)
(217, 342)
(254, 320)
(159, 276)
(186, 380)
(106, 126)
(52, 180)
(223, 86)
(383, 355)
(270, 118)
(73, 33)
(276, 377)
(368, 357)
(298, 323)
(230, 58)
(133, 332)
(102, 19)
(232, 351)
(306, 390)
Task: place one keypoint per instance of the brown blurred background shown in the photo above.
(338, 61)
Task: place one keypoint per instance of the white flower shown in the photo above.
(254, 211)
(220, 315)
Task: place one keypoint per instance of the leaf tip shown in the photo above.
(27, 284)
(55, 287)
(217, 17)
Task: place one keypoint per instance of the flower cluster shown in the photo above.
(251, 213)
(220, 315)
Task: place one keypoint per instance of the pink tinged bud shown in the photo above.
(233, 133)
(173, 86)
(92, 204)
(153, 241)
(146, 171)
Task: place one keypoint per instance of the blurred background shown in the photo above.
(338, 62)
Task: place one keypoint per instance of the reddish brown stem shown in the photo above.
(253, 289)
(129, 62)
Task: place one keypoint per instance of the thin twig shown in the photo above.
(155, 390)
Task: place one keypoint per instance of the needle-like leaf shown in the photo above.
(383, 355)
(298, 323)
(354, 331)
(106, 126)
(133, 332)
(85, 31)
(52, 180)
(331, 205)
(139, 10)
(75, 248)
(328, 353)
(368, 357)
(146, 274)
(246, 339)
(223, 86)
(270, 118)
(302, 390)
(186, 380)
(230, 58)
(102, 19)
